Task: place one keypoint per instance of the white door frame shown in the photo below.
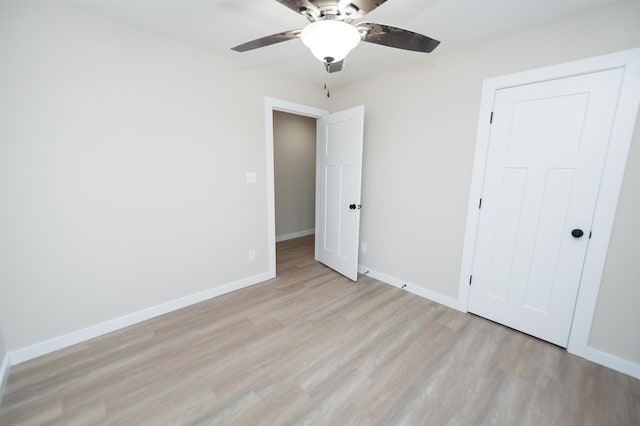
(612, 177)
(270, 105)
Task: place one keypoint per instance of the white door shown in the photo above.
(338, 178)
(546, 153)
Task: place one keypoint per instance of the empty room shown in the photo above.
(281, 212)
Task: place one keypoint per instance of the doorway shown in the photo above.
(272, 105)
(338, 168)
(294, 158)
(294, 163)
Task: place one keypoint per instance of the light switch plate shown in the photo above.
(252, 177)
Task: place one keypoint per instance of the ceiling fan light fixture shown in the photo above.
(330, 40)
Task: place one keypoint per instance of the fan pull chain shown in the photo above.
(327, 64)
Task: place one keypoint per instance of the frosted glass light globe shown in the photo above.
(330, 39)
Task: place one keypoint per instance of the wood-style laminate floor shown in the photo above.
(311, 347)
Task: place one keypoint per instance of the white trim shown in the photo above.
(612, 178)
(293, 235)
(594, 355)
(613, 362)
(4, 373)
(60, 342)
(270, 105)
(475, 193)
(604, 217)
(411, 288)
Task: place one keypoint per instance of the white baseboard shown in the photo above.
(611, 361)
(21, 355)
(4, 370)
(411, 288)
(48, 346)
(607, 360)
(295, 235)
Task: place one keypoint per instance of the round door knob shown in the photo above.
(577, 233)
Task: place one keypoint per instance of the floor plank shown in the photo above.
(312, 347)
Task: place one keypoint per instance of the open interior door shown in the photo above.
(338, 180)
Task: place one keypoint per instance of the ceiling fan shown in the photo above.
(330, 34)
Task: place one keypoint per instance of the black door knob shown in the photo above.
(577, 233)
(352, 206)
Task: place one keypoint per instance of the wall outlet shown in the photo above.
(252, 177)
(363, 247)
(252, 255)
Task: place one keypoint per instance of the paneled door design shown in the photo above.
(338, 180)
(547, 148)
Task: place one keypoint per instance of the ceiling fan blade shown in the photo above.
(399, 38)
(267, 41)
(335, 66)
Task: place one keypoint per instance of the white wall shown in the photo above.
(123, 158)
(294, 147)
(420, 130)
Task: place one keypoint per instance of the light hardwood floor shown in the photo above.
(311, 347)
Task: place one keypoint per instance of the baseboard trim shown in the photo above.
(30, 352)
(56, 343)
(594, 355)
(295, 235)
(611, 361)
(411, 288)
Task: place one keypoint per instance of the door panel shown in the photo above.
(546, 153)
(559, 132)
(338, 177)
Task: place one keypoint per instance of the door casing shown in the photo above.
(613, 174)
(270, 105)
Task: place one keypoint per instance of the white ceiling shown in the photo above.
(217, 25)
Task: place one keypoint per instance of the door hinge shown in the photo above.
(491, 118)
(470, 279)
(480, 204)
